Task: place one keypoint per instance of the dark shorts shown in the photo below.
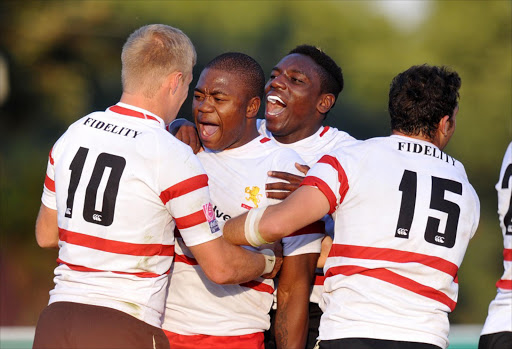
(499, 340)
(64, 325)
(369, 343)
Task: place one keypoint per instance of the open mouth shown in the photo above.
(275, 105)
(207, 130)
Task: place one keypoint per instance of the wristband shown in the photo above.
(252, 221)
(270, 260)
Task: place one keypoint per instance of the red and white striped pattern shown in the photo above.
(162, 185)
(378, 285)
(499, 318)
(237, 183)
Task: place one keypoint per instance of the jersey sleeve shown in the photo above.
(309, 238)
(187, 198)
(330, 178)
(49, 198)
(504, 190)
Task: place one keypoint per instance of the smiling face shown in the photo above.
(220, 108)
(293, 94)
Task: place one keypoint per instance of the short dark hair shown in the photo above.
(331, 76)
(420, 97)
(244, 66)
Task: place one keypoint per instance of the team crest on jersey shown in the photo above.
(254, 195)
(210, 217)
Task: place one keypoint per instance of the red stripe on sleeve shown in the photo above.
(113, 246)
(258, 286)
(190, 220)
(49, 183)
(388, 254)
(184, 187)
(342, 176)
(181, 258)
(507, 254)
(51, 157)
(395, 279)
(504, 284)
(324, 188)
(319, 279)
(317, 227)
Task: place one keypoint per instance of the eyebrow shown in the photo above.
(296, 71)
(212, 93)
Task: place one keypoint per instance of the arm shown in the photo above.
(304, 206)
(326, 248)
(47, 230)
(186, 132)
(225, 263)
(295, 279)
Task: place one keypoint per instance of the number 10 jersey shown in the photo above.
(120, 184)
(404, 213)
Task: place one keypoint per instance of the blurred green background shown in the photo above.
(60, 60)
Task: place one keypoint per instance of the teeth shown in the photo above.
(275, 99)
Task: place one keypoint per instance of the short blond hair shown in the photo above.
(151, 53)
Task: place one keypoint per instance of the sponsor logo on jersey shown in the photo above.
(254, 195)
(210, 218)
(426, 150)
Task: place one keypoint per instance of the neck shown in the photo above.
(140, 101)
(297, 135)
(420, 137)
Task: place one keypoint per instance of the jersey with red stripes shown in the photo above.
(120, 183)
(404, 213)
(311, 149)
(237, 179)
(499, 318)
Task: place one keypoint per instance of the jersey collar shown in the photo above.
(130, 110)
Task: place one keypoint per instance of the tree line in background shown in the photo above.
(62, 60)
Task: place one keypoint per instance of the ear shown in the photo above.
(445, 125)
(252, 107)
(173, 81)
(325, 103)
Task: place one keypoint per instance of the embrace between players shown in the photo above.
(150, 234)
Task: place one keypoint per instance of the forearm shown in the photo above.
(225, 263)
(47, 229)
(304, 206)
(292, 315)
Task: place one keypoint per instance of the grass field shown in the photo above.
(461, 337)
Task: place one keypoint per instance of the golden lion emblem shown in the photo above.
(254, 194)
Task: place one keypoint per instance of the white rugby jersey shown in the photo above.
(311, 149)
(120, 183)
(404, 213)
(237, 179)
(499, 318)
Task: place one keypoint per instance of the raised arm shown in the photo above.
(304, 206)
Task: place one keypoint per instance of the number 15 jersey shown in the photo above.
(404, 213)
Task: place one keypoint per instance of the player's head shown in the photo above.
(226, 101)
(422, 99)
(302, 88)
(151, 54)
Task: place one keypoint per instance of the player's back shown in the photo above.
(405, 213)
(111, 172)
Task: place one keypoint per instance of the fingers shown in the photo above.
(286, 176)
(302, 168)
(188, 135)
(282, 186)
(278, 195)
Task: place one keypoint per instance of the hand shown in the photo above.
(277, 247)
(285, 188)
(186, 132)
(326, 248)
